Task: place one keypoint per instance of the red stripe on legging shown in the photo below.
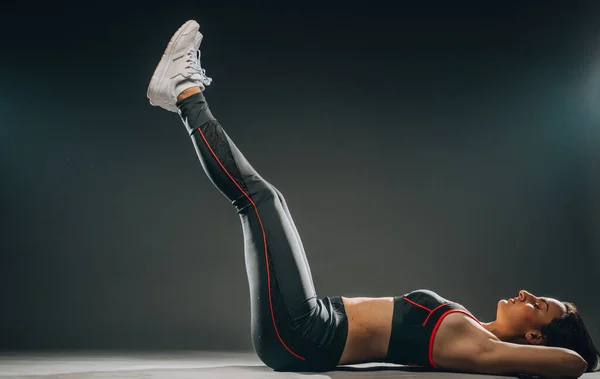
(264, 240)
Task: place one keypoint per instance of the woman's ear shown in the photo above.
(535, 337)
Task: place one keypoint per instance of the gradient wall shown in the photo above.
(454, 148)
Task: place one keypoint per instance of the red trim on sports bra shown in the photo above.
(437, 325)
(264, 242)
(418, 305)
(435, 309)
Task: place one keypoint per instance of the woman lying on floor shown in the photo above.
(294, 330)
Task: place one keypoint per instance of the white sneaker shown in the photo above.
(179, 68)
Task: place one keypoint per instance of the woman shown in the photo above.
(294, 330)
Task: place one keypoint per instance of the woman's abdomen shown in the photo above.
(369, 328)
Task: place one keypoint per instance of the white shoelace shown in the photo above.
(195, 68)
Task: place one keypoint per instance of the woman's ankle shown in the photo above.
(188, 92)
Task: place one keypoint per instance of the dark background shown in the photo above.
(454, 147)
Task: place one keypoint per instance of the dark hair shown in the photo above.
(569, 332)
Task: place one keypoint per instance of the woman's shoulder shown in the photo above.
(462, 322)
(456, 336)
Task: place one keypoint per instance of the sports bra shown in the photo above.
(416, 318)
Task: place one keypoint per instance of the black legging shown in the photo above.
(291, 328)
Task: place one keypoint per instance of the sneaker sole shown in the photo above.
(163, 64)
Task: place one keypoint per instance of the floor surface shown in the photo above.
(188, 365)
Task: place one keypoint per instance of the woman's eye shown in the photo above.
(536, 305)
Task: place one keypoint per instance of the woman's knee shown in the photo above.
(277, 192)
(263, 192)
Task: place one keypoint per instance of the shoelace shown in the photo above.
(194, 66)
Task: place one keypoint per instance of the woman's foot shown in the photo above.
(179, 68)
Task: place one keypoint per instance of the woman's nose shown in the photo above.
(524, 295)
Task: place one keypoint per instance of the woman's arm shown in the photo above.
(497, 357)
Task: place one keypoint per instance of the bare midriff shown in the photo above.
(369, 329)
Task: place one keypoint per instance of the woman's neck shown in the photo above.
(502, 332)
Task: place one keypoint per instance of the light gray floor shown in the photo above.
(187, 365)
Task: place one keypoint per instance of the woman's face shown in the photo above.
(526, 312)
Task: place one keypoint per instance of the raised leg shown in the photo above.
(282, 295)
(291, 328)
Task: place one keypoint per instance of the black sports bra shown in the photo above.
(417, 316)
